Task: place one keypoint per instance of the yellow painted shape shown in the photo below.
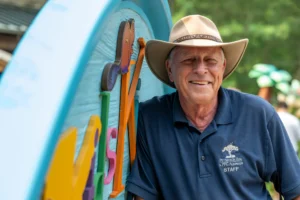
(59, 178)
(83, 162)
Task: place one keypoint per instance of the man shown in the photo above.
(204, 141)
(291, 124)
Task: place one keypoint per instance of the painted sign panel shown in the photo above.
(53, 83)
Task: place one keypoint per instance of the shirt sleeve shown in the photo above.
(142, 179)
(282, 163)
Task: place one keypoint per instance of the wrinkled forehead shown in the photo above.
(186, 51)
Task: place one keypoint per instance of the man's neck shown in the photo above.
(200, 115)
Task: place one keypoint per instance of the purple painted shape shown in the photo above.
(96, 137)
(90, 180)
(88, 193)
(111, 156)
(109, 76)
(93, 161)
(89, 187)
(124, 69)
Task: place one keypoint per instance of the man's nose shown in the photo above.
(200, 67)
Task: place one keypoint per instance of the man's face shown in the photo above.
(197, 72)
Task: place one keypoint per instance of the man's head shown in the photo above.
(197, 72)
(198, 36)
(282, 106)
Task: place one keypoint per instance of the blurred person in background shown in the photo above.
(290, 122)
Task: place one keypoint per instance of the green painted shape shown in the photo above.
(99, 177)
(98, 183)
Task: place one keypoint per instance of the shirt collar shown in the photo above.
(178, 114)
(224, 111)
(223, 114)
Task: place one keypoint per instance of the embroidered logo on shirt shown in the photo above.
(231, 163)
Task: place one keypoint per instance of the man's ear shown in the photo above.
(169, 69)
(224, 64)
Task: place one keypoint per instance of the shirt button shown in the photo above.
(202, 158)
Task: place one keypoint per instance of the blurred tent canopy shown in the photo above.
(15, 18)
(272, 27)
(33, 4)
(4, 59)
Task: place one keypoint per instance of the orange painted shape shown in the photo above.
(136, 74)
(59, 178)
(132, 62)
(126, 102)
(83, 162)
(118, 187)
(132, 135)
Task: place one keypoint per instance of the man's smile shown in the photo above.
(202, 83)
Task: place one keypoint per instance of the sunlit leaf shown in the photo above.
(283, 87)
(255, 74)
(264, 68)
(280, 76)
(295, 85)
(265, 81)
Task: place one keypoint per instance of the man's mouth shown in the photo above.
(200, 82)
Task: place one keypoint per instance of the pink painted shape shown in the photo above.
(111, 156)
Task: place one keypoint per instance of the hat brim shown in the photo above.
(157, 51)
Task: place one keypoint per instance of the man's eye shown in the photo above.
(212, 61)
(189, 60)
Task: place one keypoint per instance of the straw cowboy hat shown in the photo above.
(192, 31)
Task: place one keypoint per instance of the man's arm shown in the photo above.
(140, 198)
(142, 181)
(297, 198)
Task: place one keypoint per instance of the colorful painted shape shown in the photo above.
(111, 156)
(72, 97)
(83, 162)
(89, 193)
(126, 102)
(99, 176)
(123, 54)
(58, 184)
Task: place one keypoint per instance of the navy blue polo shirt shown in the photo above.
(244, 146)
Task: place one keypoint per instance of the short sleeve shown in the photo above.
(282, 163)
(142, 180)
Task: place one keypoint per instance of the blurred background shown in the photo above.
(272, 27)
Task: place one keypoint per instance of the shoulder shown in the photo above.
(250, 104)
(157, 105)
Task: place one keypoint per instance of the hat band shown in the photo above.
(197, 36)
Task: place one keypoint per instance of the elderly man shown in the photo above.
(204, 141)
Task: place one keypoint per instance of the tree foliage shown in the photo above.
(272, 27)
